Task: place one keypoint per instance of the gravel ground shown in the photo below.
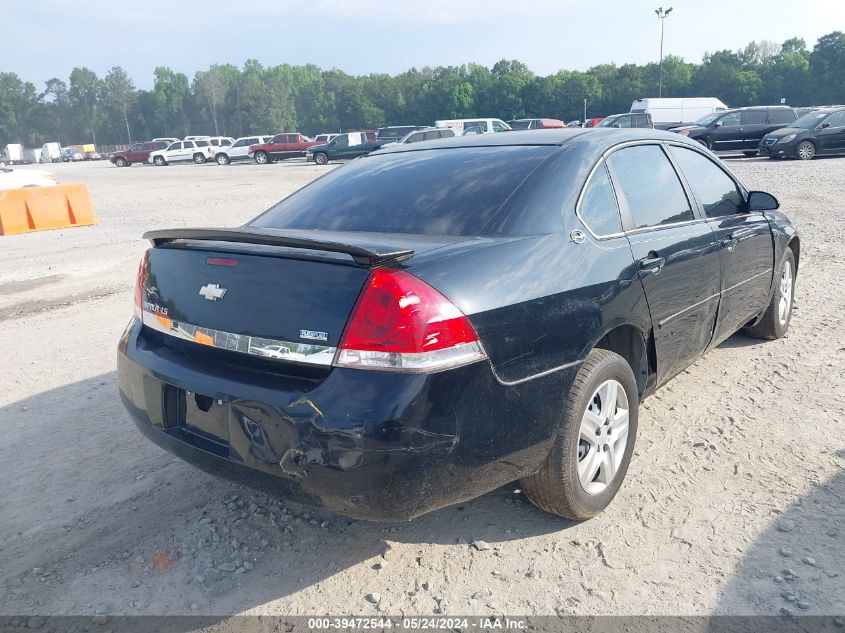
(734, 502)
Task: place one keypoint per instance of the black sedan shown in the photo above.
(818, 132)
(435, 320)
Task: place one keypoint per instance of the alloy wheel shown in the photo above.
(261, 158)
(603, 437)
(806, 150)
(785, 302)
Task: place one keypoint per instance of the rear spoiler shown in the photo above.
(365, 256)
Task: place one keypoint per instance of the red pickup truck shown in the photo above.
(281, 146)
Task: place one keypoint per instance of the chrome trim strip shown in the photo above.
(275, 349)
(663, 322)
(765, 272)
(510, 383)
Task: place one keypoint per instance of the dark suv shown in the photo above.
(739, 129)
(138, 153)
(821, 131)
(628, 119)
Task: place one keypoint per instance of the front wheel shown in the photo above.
(120, 161)
(805, 151)
(590, 455)
(261, 158)
(159, 161)
(320, 158)
(775, 320)
(706, 142)
(222, 159)
(199, 159)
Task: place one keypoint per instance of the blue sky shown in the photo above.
(47, 38)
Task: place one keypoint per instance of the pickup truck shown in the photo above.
(280, 147)
(344, 147)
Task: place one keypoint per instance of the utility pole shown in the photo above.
(662, 15)
(585, 110)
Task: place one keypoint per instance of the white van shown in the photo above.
(474, 126)
(678, 111)
(13, 153)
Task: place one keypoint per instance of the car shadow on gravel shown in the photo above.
(120, 526)
(796, 566)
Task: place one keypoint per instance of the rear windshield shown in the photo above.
(433, 192)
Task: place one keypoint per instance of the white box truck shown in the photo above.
(51, 153)
(666, 113)
(32, 155)
(13, 154)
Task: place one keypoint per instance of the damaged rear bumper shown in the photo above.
(368, 444)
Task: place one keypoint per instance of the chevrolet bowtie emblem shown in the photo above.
(212, 292)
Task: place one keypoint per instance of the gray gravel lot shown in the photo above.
(734, 503)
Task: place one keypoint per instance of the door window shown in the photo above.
(137, 147)
(498, 126)
(291, 138)
(753, 117)
(481, 125)
(731, 120)
(175, 146)
(598, 209)
(716, 191)
(241, 142)
(416, 138)
(836, 120)
(647, 180)
(781, 116)
(623, 121)
(434, 134)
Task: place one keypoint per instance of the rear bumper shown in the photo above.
(368, 444)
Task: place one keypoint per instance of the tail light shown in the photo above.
(401, 323)
(139, 286)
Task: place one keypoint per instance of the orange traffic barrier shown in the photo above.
(48, 207)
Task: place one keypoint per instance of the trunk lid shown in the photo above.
(285, 295)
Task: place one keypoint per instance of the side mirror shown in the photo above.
(719, 123)
(823, 125)
(762, 201)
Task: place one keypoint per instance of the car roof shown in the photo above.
(551, 137)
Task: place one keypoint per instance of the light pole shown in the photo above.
(662, 15)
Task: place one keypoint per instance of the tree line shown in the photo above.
(258, 99)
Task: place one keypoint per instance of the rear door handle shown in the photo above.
(652, 264)
(729, 243)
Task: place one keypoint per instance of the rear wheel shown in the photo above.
(261, 158)
(320, 158)
(805, 150)
(222, 159)
(775, 320)
(120, 161)
(199, 159)
(749, 154)
(159, 160)
(594, 443)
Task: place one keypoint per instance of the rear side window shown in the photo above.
(202, 143)
(716, 191)
(434, 134)
(432, 192)
(188, 145)
(753, 117)
(646, 178)
(781, 115)
(416, 138)
(598, 208)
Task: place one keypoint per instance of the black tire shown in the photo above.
(262, 158)
(805, 150)
(556, 487)
(160, 161)
(750, 154)
(199, 159)
(120, 161)
(771, 326)
(222, 159)
(706, 142)
(321, 158)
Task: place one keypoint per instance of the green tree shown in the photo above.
(117, 96)
(18, 100)
(83, 101)
(827, 63)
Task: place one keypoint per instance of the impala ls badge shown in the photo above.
(212, 292)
